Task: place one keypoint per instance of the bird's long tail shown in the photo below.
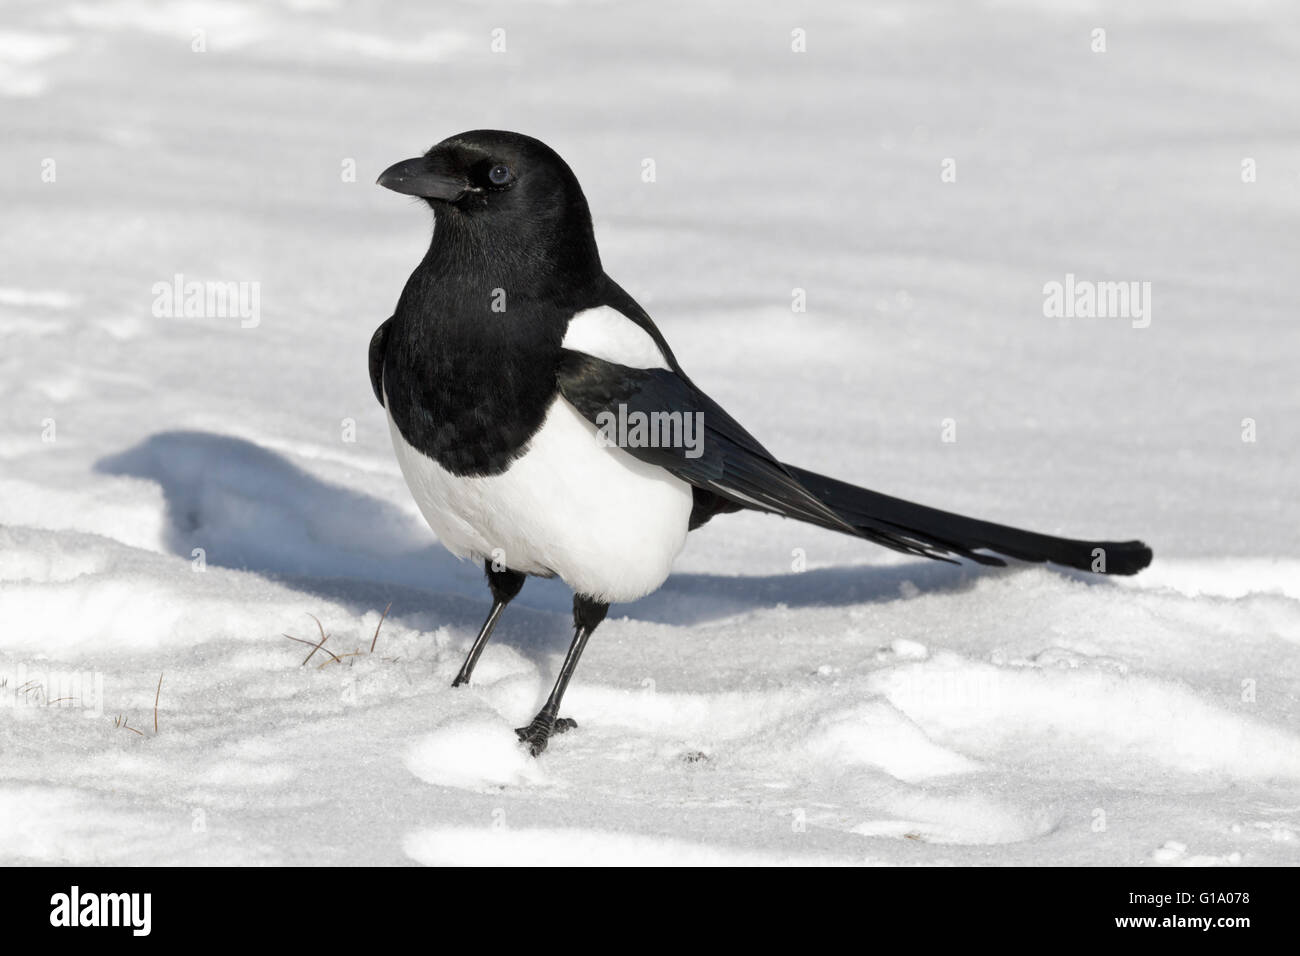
(916, 529)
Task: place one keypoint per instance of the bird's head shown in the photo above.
(503, 193)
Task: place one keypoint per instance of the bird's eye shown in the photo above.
(500, 175)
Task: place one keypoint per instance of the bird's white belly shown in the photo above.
(607, 524)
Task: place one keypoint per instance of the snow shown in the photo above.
(474, 755)
(467, 846)
(179, 493)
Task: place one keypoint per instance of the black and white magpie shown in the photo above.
(509, 356)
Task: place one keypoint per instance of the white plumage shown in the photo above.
(608, 334)
(607, 524)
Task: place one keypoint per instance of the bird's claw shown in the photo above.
(539, 731)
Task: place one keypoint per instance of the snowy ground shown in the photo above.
(868, 709)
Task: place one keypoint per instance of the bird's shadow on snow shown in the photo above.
(252, 509)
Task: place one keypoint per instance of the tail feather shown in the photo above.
(916, 529)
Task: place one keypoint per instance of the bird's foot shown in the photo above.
(539, 731)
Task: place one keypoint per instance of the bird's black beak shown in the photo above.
(415, 177)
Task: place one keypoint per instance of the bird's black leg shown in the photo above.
(586, 615)
(505, 585)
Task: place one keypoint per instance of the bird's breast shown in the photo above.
(568, 504)
(469, 398)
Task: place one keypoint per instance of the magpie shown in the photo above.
(506, 362)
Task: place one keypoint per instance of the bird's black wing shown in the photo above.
(721, 456)
(378, 343)
(710, 501)
(733, 469)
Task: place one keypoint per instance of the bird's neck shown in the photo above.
(470, 365)
(538, 264)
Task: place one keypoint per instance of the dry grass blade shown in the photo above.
(314, 647)
(311, 644)
(120, 721)
(338, 659)
(379, 625)
(156, 695)
(323, 637)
